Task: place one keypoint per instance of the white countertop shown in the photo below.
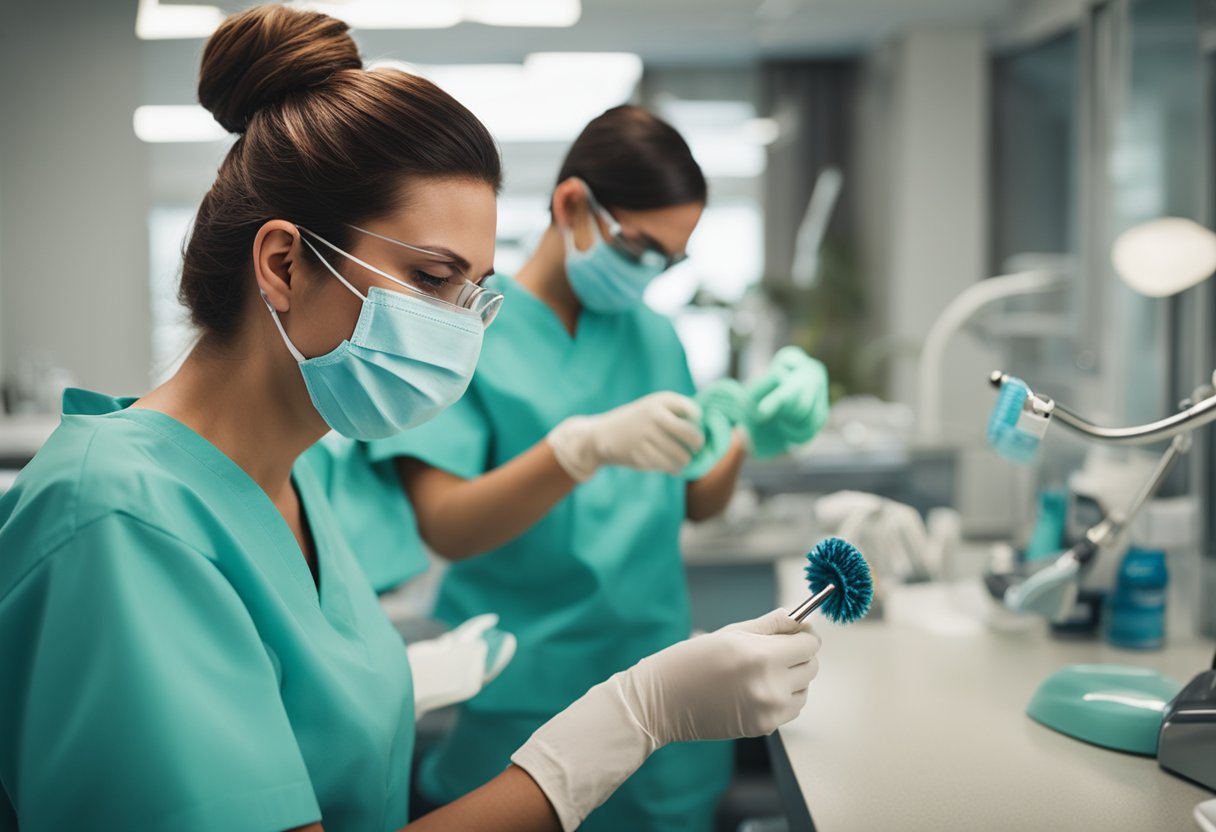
(918, 723)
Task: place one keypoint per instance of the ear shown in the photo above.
(276, 249)
(570, 203)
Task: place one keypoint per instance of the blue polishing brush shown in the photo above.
(1019, 420)
(840, 579)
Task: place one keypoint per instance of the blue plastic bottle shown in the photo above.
(1135, 610)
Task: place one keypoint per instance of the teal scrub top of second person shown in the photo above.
(169, 663)
(598, 583)
(594, 586)
(364, 490)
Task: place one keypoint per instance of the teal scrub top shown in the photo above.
(598, 583)
(364, 490)
(168, 661)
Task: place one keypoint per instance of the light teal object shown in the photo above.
(604, 279)
(377, 521)
(168, 661)
(1108, 705)
(788, 405)
(723, 406)
(594, 586)
(1047, 539)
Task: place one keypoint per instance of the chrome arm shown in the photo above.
(1184, 421)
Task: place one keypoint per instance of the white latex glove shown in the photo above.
(744, 680)
(453, 667)
(659, 432)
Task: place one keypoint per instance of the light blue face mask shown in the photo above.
(604, 278)
(407, 360)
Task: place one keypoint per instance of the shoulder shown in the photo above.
(91, 469)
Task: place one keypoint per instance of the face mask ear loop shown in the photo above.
(568, 232)
(334, 271)
(295, 353)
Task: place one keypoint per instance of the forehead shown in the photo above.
(671, 226)
(458, 214)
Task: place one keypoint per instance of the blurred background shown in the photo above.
(870, 161)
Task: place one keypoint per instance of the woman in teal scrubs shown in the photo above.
(185, 641)
(581, 560)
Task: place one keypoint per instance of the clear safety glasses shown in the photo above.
(647, 252)
(457, 291)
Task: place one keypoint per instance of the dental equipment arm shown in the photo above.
(1190, 418)
(1053, 590)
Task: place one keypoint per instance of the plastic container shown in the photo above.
(1047, 539)
(1135, 611)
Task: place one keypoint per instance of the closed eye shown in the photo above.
(430, 280)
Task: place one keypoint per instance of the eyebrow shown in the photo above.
(453, 259)
(462, 265)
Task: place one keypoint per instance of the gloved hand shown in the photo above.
(744, 680)
(455, 666)
(724, 406)
(659, 432)
(789, 403)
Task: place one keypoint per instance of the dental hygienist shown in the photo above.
(185, 641)
(558, 485)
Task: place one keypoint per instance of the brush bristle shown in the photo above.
(836, 561)
(1005, 431)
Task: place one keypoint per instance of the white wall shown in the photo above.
(924, 122)
(73, 211)
(934, 186)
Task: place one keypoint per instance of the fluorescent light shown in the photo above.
(156, 22)
(188, 123)
(441, 14)
(390, 14)
(549, 97)
(540, 13)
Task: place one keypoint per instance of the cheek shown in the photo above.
(326, 319)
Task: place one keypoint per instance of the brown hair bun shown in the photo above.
(260, 56)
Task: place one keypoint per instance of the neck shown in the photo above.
(544, 275)
(247, 398)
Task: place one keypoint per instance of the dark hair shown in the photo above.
(323, 143)
(632, 159)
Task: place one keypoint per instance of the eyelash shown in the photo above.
(431, 280)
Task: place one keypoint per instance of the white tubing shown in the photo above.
(952, 319)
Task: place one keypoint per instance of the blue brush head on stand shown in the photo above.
(836, 561)
(1008, 432)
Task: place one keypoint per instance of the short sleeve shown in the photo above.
(456, 441)
(139, 695)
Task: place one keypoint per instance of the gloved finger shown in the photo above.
(687, 433)
(801, 675)
(798, 648)
(472, 629)
(771, 404)
(681, 406)
(499, 655)
(783, 402)
(664, 454)
(793, 708)
(777, 622)
(674, 455)
(648, 457)
(760, 388)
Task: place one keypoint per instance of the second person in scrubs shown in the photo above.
(554, 486)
